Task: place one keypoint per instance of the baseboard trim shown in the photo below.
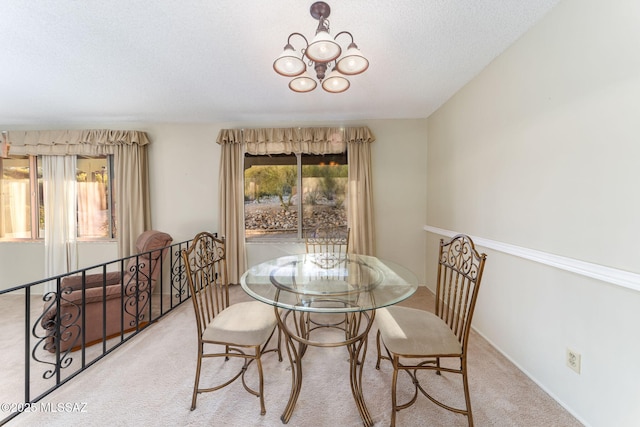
(532, 378)
(614, 276)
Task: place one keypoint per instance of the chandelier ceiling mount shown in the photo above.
(322, 54)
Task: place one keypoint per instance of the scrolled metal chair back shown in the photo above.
(460, 268)
(206, 270)
(328, 240)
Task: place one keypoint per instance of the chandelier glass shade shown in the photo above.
(352, 62)
(303, 83)
(288, 64)
(322, 48)
(335, 82)
(322, 54)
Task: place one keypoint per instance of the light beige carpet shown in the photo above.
(149, 382)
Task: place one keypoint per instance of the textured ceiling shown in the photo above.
(101, 61)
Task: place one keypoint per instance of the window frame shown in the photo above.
(35, 198)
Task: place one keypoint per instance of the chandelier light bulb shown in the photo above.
(289, 65)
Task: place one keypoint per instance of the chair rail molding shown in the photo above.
(614, 276)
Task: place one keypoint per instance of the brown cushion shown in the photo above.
(244, 323)
(409, 331)
(152, 239)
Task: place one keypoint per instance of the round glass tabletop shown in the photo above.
(329, 282)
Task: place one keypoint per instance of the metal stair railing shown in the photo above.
(44, 370)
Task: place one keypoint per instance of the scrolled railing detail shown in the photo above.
(137, 292)
(63, 328)
(178, 275)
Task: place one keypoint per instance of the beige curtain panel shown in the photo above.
(266, 141)
(131, 171)
(231, 202)
(360, 214)
(133, 204)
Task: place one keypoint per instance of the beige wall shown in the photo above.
(541, 151)
(184, 162)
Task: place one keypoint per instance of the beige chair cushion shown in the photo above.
(245, 323)
(409, 331)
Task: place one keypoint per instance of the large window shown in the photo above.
(290, 196)
(22, 204)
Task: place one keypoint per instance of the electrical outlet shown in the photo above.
(573, 360)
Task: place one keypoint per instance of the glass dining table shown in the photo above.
(310, 292)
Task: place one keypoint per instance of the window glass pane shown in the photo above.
(324, 185)
(271, 195)
(21, 186)
(93, 197)
(15, 198)
(270, 186)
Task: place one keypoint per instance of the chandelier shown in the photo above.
(320, 54)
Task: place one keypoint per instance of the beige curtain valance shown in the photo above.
(265, 141)
(67, 142)
(229, 136)
(131, 171)
(358, 135)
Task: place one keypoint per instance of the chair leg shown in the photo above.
(279, 346)
(263, 409)
(467, 396)
(394, 400)
(197, 380)
(379, 351)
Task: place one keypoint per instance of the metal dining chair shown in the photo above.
(240, 330)
(416, 340)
